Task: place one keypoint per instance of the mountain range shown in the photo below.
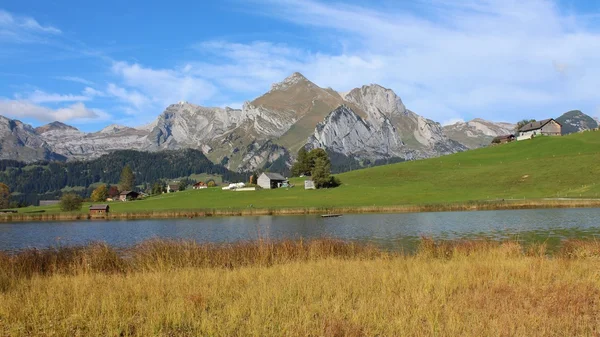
(367, 124)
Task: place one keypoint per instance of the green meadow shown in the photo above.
(545, 167)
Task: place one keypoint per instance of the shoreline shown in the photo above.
(174, 214)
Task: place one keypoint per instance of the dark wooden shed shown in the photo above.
(99, 210)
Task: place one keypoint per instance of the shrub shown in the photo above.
(70, 202)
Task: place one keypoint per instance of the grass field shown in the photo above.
(545, 167)
(321, 288)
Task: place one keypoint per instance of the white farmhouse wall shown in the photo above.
(264, 181)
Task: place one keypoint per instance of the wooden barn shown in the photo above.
(99, 210)
(503, 139)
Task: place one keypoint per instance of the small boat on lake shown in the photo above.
(330, 215)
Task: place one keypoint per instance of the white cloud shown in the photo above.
(132, 97)
(91, 92)
(39, 96)
(492, 59)
(75, 112)
(453, 121)
(75, 79)
(22, 28)
(248, 68)
(160, 86)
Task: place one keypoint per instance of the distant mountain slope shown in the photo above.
(20, 141)
(76, 145)
(477, 132)
(575, 121)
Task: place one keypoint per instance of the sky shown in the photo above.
(123, 62)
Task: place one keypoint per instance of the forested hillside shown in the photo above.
(46, 180)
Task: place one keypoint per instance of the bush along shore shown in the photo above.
(251, 211)
(301, 288)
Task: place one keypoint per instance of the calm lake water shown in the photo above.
(390, 231)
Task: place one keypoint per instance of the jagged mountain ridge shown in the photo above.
(295, 112)
(19, 141)
(478, 132)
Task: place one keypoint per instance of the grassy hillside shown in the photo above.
(546, 167)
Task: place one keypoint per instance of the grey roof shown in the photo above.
(274, 176)
(99, 207)
(128, 192)
(535, 125)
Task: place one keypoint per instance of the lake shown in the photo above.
(390, 231)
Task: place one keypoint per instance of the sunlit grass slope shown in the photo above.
(545, 167)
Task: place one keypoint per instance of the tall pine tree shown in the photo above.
(302, 166)
(127, 181)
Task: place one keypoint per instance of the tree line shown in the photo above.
(30, 183)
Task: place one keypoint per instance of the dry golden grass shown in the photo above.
(322, 288)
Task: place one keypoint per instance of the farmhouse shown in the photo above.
(199, 185)
(99, 209)
(269, 180)
(503, 139)
(128, 195)
(546, 127)
(171, 188)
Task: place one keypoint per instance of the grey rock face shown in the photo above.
(477, 132)
(74, 144)
(420, 136)
(576, 121)
(19, 141)
(345, 132)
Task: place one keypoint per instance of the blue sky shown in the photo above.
(124, 61)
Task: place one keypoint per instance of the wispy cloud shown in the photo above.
(91, 92)
(132, 97)
(75, 79)
(76, 112)
(22, 28)
(39, 96)
(157, 88)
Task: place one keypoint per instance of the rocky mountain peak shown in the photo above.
(55, 126)
(377, 102)
(290, 81)
(114, 128)
(375, 99)
(575, 121)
